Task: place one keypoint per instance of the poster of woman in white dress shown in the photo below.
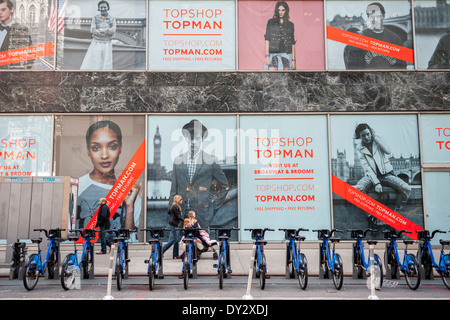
(103, 35)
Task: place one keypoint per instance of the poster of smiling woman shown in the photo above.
(107, 154)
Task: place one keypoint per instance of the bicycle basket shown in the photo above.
(124, 233)
(423, 234)
(388, 234)
(323, 233)
(257, 233)
(158, 233)
(88, 233)
(356, 233)
(54, 233)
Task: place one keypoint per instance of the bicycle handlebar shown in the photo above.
(358, 232)
(394, 234)
(47, 233)
(124, 232)
(258, 232)
(324, 232)
(292, 232)
(424, 234)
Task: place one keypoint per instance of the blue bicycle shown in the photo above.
(122, 260)
(34, 266)
(190, 254)
(85, 267)
(155, 261)
(224, 263)
(297, 260)
(358, 255)
(330, 262)
(260, 263)
(426, 257)
(409, 267)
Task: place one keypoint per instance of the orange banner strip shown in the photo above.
(375, 208)
(27, 53)
(122, 186)
(370, 44)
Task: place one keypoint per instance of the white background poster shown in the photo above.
(435, 138)
(192, 35)
(25, 146)
(284, 174)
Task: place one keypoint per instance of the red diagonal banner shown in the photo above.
(27, 53)
(370, 44)
(122, 186)
(375, 208)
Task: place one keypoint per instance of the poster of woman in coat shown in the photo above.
(376, 176)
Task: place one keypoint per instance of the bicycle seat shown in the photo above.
(333, 239)
(444, 242)
(36, 240)
(372, 241)
(300, 238)
(408, 241)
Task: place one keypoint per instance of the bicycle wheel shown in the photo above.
(445, 275)
(393, 263)
(302, 272)
(88, 263)
(151, 272)
(338, 273)
(412, 274)
(426, 262)
(262, 271)
(186, 271)
(119, 271)
(379, 265)
(359, 263)
(31, 276)
(51, 264)
(67, 272)
(290, 260)
(221, 269)
(324, 264)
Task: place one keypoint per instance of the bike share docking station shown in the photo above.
(33, 202)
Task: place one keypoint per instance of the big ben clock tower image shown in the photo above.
(155, 170)
(157, 148)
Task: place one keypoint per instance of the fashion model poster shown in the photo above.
(432, 26)
(366, 35)
(284, 174)
(376, 176)
(192, 35)
(285, 35)
(194, 157)
(27, 34)
(107, 155)
(103, 35)
(25, 146)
